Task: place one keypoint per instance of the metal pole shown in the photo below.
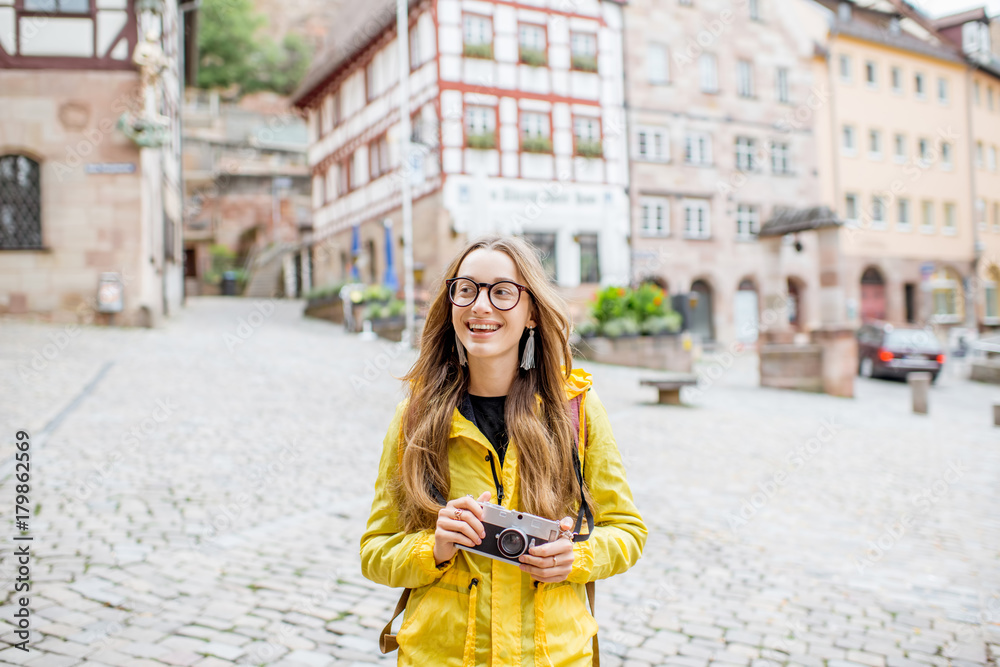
(182, 10)
(403, 45)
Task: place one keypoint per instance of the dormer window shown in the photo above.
(844, 11)
(894, 25)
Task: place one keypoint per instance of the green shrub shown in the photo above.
(324, 291)
(377, 293)
(222, 259)
(478, 51)
(533, 57)
(536, 145)
(647, 301)
(396, 308)
(589, 148)
(623, 326)
(610, 304)
(484, 140)
(661, 324)
(585, 63)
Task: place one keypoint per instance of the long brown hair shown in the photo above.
(543, 432)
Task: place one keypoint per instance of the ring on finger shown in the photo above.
(458, 513)
(553, 561)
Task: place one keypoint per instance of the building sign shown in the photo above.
(110, 293)
(111, 168)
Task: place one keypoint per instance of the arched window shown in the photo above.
(946, 296)
(20, 203)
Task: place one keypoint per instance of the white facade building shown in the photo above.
(518, 127)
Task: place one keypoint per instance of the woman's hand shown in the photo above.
(551, 562)
(466, 528)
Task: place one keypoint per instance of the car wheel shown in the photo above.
(867, 368)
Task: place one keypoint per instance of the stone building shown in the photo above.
(722, 139)
(518, 127)
(89, 159)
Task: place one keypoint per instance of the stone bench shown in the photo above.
(670, 388)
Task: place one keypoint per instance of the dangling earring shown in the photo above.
(461, 351)
(528, 359)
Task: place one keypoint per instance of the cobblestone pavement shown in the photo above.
(200, 491)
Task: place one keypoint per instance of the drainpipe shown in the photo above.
(971, 299)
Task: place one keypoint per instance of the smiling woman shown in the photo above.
(495, 412)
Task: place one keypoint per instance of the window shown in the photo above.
(745, 149)
(874, 144)
(355, 174)
(480, 127)
(698, 148)
(531, 45)
(754, 10)
(927, 217)
(696, 223)
(370, 92)
(587, 137)
(844, 12)
(337, 109)
(657, 64)
(415, 51)
(943, 91)
(900, 148)
(535, 132)
(378, 157)
(991, 158)
(20, 203)
(744, 78)
(652, 143)
(685, 3)
(780, 162)
(945, 296)
(949, 219)
(344, 176)
(781, 83)
(996, 217)
(989, 98)
(976, 96)
(583, 47)
(871, 74)
(903, 215)
(477, 36)
(708, 73)
(992, 311)
(845, 68)
(747, 221)
(654, 216)
(878, 212)
(58, 6)
(590, 267)
(979, 154)
(850, 207)
(545, 245)
(918, 85)
(924, 151)
(897, 80)
(946, 162)
(848, 143)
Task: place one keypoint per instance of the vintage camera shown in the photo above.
(510, 533)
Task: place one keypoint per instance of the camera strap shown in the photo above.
(577, 405)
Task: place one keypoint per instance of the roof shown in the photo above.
(951, 20)
(357, 26)
(791, 220)
(901, 40)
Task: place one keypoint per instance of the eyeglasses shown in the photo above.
(504, 295)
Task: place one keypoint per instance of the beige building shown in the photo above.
(89, 160)
(896, 165)
(722, 139)
(971, 32)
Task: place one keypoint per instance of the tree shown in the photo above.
(231, 53)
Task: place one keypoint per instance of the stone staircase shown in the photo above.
(265, 272)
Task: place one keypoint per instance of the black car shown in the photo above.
(888, 351)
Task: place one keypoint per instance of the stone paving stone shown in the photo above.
(53, 660)
(866, 658)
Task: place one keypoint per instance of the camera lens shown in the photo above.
(512, 543)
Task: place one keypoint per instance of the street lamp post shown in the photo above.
(403, 46)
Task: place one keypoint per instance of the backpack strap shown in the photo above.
(387, 641)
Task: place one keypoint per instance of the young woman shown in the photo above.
(490, 417)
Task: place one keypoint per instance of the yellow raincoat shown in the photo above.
(478, 611)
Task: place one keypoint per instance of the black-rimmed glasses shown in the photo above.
(504, 294)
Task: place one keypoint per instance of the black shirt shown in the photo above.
(489, 413)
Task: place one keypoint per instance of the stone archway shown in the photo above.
(746, 311)
(872, 294)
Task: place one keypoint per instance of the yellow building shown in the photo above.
(894, 162)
